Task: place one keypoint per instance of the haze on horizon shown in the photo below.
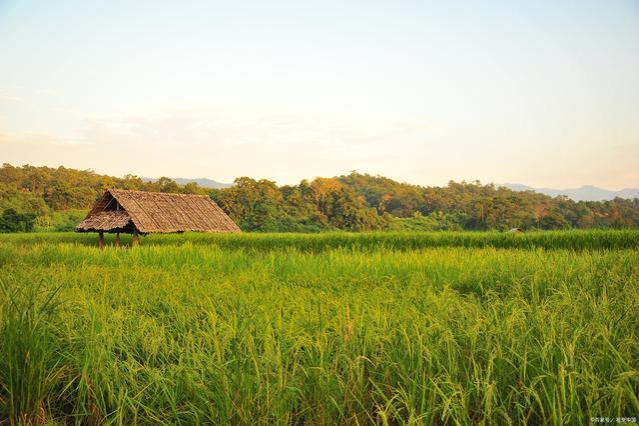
(541, 93)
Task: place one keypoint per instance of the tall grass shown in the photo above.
(549, 240)
(28, 350)
(199, 329)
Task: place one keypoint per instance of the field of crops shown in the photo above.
(442, 328)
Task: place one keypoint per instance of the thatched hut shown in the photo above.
(138, 212)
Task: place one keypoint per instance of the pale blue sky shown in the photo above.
(541, 93)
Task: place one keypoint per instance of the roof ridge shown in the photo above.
(157, 193)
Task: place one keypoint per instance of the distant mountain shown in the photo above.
(203, 182)
(585, 193)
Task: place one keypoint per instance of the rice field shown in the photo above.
(379, 328)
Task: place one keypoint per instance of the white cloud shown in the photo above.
(285, 147)
(9, 98)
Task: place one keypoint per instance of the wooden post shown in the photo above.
(135, 240)
(117, 239)
(101, 240)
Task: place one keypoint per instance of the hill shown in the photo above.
(203, 182)
(57, 199)
(584, 193)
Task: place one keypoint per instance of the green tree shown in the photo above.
(12, 221)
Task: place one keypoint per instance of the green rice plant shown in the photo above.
(29, 363)
(364, 241)
(327, 329)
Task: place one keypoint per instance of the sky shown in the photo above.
(543, 93)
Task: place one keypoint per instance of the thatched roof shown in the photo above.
(125, 211)
(105, 221)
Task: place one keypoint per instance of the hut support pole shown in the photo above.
(101, 239)
(117, 239)
(135, 239)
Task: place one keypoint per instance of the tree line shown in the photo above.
(58, 198)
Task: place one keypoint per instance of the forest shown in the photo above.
(56, 199)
